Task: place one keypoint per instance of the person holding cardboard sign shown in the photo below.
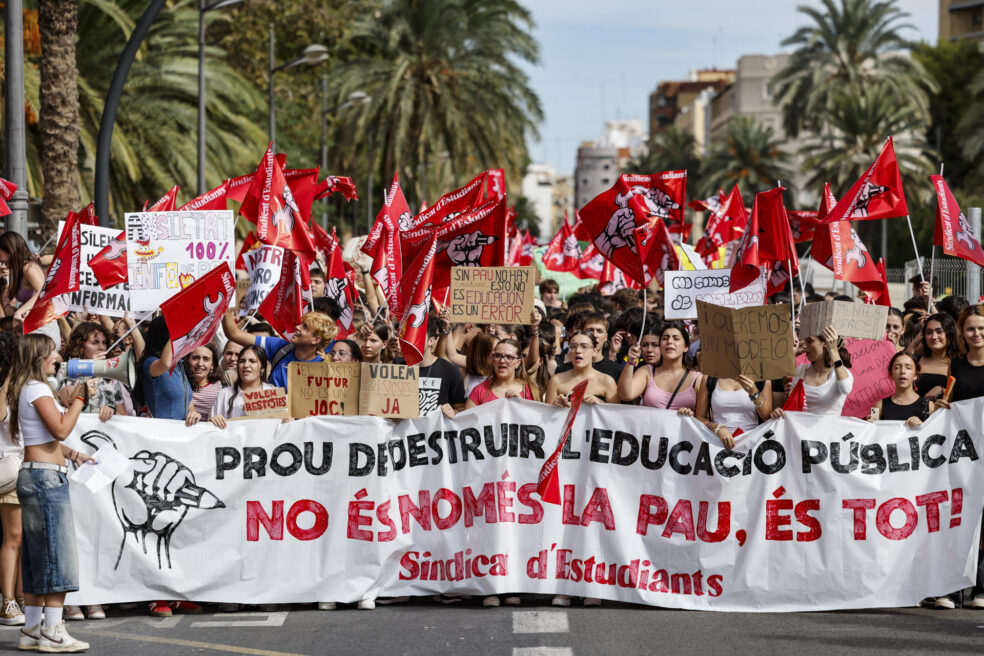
(230, 402)
(827, 380)
(672, 384)
(727, 405)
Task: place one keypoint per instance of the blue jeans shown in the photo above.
(49, 561)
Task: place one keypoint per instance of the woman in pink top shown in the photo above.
(508, 380)
(671, 384)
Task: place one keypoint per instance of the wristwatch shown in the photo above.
(838, 363)
(755, 396)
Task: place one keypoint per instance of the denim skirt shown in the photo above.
(49, 561)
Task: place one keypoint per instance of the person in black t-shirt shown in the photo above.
(440, 383)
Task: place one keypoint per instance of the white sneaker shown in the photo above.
(29, 636)
(491, 601)
(561, 600)
(12, 614)
(977, 601)
(366, 604)
(327, 605)
(57, 641)
(945, 603)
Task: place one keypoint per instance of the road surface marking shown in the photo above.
(269, 619)
(540, 621)
(236, 649)
(543, 651)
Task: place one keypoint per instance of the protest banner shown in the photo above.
(754, 341)
(269, 403)
(803, 515)
(264, 266)
(167, 251)
(323, 388)
(684, 288)
(869, 368)
(858, 320)
(389, 390)
(492, 294)
(112, 302)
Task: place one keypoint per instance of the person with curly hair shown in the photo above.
(107, 397)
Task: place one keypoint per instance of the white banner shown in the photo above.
(264, 266)
(684, 288)
(167, 251)
(796, 518)
(112, 302)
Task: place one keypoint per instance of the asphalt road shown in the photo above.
(533, 629)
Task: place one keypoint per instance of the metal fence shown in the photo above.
(950, 276)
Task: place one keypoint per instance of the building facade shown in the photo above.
(671, 97)
(961, 19)
(599, 162)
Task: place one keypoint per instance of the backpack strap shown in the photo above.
(280, 355)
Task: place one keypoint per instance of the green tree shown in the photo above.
(849, 45)
(444, 86)
(526, 217)
(672, 150)
(748, 155)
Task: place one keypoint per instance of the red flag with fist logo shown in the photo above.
(278, 218)
(877, 194)
(415, 290)
(194, 314)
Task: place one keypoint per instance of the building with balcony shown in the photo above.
(961, 19)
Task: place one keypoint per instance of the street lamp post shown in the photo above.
(355, 99)
(15, 123)
(204, 8)
(313, 54)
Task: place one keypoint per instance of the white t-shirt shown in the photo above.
(220, 407)
(734, 409)
(827, 398)
(32, 429)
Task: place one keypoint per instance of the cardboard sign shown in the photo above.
(754, 341)
(869, 368)
(684, 288)
(389, 390)
(167, 251)
(323, 388)
(858, 320)
(242, 287)
(266, 403)
(492, 294)
(112, 302)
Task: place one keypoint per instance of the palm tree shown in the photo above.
(971, 126)
(154, 143)
(59, 116)
(672, 150)
(849, 45)
(444, 84)
(748, 155)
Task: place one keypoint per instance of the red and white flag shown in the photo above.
(838, 247)
(63, 272)
(195, 313)
(877, 194)
(109, 264)
(165, 203)
(803, 225)
(44, 312)
(564, 252)
(591, 264)
(303, 185)
(278, 218)
(214, 199)
(612, 219)
(767, 241)
(88, 215)
(660, 254)
(7, 189)
(548, 482)
(339, 286)
(236, 189)
(290, 298)
(723, 226)
(662, 194)
(383, 244)
(336, 184)
(952, 230)
(453, 204)
(496, 184)
(415, 293)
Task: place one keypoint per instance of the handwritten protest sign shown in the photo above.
(389, 390)
(693, 258)
(266, 403)
(848, 319)
(754, 341)
(323, 388)
(263, 265)
(112, 302)
(167, 251)
(684, 288)
(869, 367)
(491, 294)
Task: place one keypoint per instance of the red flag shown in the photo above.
(591, 264)
(681, 230)
(496, 187)
(526, 249)
(723, 226)
(881, 297)
(563, 253)
(63, 272)
(166, 202)
(44, 312)
(579, 230)
(548, 482)
(877, 194)
(803, 225)
(384, 244)
(660, 255)
(88, 215)
(214, 199)
(278, 219)
(194, 314)
(303, 185)
(747, 265)
(251, 243)
(767, 241)
(827, 203)
(286, 304)
(237, 188)
(796, 401)
(662, 194)
(452, 204)
(339, 286)
(336, 184)
(109, 264)
(711, 205)
(7, 189)
(612, 219)
(846, 255)
(952, 230)
(415, 290)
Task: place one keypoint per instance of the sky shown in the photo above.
(600, 59)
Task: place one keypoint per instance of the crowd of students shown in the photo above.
(627, 353)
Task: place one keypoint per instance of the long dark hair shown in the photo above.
(214, 374)
(262, 357)
(155, 340)
(80, 335)
(20, 254)
(949, 331)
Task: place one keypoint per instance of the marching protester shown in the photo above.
(204, 374)
(671, 384)
(251, 367)
(26, 278)
(509, 378)
(167, 394)
(88, 341)
(375, 341)
(49, 562)
(968, 369)
(11, 457)
(939, 348)
(584, 350)
(827, 378)
(905, 404)
(726, 405)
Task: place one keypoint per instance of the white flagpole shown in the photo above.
(792, 306)
(645, 302)
(123, 336)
